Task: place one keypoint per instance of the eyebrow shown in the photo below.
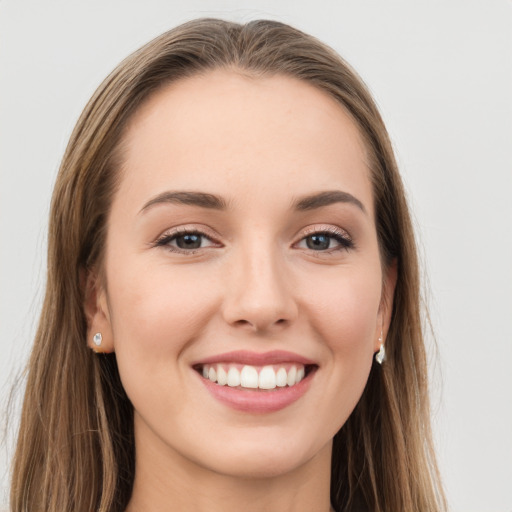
(211, 201)
(327, 198)
(200, 199)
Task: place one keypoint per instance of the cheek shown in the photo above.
(154, 304)
(344, 311)
(155, 314)
(343, 315)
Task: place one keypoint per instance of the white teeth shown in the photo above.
(292, 373)
(269, 377)
(222, 376)
(281, 378)
(249, 377)
(233, 377)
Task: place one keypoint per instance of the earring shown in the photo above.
(97, 339)
(380, 356)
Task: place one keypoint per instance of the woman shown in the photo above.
(232, 311)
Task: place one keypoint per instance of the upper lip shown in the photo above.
(256, 358)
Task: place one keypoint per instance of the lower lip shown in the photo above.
(258, 401)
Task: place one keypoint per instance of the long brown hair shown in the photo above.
(75, 449)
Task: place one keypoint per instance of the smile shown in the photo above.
(254, 377)
(256, 383)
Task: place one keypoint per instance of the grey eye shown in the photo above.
(185, 241)
(189, 241)
(318, 242)
(323, 241)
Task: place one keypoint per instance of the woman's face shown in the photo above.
(243, 281)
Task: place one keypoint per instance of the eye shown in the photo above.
(327, 240)
(185, 241)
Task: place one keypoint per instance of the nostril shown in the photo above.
(263, 326)
(242, 322)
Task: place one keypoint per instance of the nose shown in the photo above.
(259, 294)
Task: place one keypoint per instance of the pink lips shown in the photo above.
(257, 400)
(256, 359)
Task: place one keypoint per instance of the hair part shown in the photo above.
(75, 449)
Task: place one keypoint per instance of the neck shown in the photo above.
(165, 480)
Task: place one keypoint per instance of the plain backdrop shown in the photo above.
(441, 72)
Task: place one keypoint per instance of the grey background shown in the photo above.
(441, 72)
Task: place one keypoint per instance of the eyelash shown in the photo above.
(166, 239)
(340, 236)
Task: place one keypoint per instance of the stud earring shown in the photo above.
(97, 339)
(380, 356)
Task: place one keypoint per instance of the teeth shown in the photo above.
(267, 378)
(281, 378)
(233, 377)
(251, 377)
(222, 376)
(292, 373)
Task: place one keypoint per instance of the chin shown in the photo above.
(260, 467)
(262, 461)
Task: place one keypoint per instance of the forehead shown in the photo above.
(222, 132)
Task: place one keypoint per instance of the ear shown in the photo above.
(386, 302)
(97, 312)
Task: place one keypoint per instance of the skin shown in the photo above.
(260, 144)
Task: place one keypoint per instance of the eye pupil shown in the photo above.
(318, 242)
(188, 241)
